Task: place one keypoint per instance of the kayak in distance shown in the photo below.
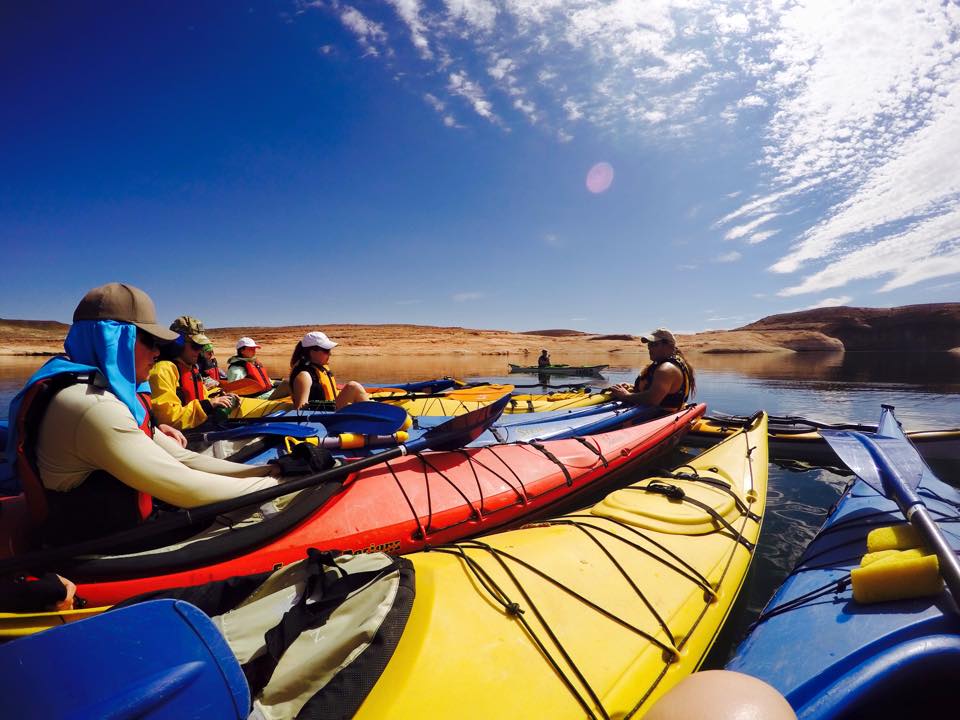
(558, 369)
(799, 438)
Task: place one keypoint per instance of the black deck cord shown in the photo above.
(539, 446)
(717, 483)
(833, 587)
(643, 598)
(477, 544)
(420, 532)
(522, 495)
(596, 450)
(675, 492)
(691, 574)
(513, 609)
(474, 513)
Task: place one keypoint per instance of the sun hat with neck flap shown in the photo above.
(122, 303)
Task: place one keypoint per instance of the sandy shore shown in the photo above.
(22, 338)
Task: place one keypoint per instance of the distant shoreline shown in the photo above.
(922, 328)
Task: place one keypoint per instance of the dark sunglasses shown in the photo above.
(196, 346)
(148, 340)
(319, 349)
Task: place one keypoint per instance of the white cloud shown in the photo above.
(459, 84)
(409, 12)
(729, 257)
(740, 230)
(928, 250)
(479, 14)
(369, 33)
(831, 302)
(759, 237)
(553, 240)
(466, 296)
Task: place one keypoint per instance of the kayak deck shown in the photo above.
(592, 614)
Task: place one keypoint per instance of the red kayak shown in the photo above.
(399, 507)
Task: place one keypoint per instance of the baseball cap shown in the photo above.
(246, 342)
(318, 339)
(191, 328)
(123, 303)
(659, 334)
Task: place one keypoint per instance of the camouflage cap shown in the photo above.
(192, 328)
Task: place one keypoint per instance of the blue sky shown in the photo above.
(513, 164)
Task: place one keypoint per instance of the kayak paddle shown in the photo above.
(478, 393)
(453, 434)
(889, 463)
(364, 418)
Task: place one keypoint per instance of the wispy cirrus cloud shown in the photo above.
(855, 106)
(466, 296)
(831, 302)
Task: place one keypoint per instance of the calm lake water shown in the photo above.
(832, 387)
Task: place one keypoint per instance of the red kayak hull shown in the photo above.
(438, 497)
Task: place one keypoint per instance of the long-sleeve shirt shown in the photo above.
(87, 428)
(167, 406)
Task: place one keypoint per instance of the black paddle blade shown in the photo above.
(461, 429)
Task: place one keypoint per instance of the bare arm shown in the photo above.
(666, 379)
(301, 389)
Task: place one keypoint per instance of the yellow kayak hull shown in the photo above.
(594, 614)
(14, 625)
(457, 404)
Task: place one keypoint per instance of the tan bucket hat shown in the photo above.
(192, 328)
(123, 303)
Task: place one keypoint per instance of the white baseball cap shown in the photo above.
(246, 342)
(318, 339)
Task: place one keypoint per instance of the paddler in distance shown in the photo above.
(667, 382)
(246, 366)
(92, 460)
(311, 379)
(180, 396)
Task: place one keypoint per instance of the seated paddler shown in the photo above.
(87, 451)
(246, 375)
(180, 396)
(667, 382)
(311, 379)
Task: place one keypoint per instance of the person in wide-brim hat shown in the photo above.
(99, 460)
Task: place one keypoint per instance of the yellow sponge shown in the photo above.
(895, 537)
(879, 555)
(897, 577)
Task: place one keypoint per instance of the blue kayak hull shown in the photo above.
(832, 657)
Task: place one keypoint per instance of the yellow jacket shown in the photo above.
(167, 406)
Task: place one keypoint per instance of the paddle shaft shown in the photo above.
(187, 518)
(919, 517)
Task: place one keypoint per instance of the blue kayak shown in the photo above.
(548, 425)
(832, 657)
(162, 659)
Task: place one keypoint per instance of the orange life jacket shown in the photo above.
(64, 515)
(256, 373)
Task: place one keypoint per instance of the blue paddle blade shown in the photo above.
(295, 430)
(363, 418)
(853, 452)
(462, 429)
(885, 460)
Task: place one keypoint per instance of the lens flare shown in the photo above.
(600, 178)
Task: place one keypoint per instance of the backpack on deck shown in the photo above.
(314, 636)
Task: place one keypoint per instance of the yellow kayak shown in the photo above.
(14, 625)
(459, 402)
(593, 614)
